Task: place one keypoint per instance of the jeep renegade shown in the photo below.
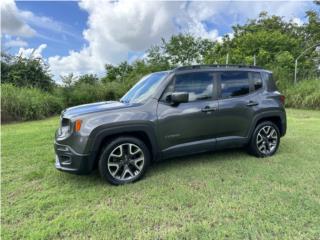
(187, 110)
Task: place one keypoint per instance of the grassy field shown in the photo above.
(224, 195)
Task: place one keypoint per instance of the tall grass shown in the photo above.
(19, 103)
(27, 103)
(306, 94)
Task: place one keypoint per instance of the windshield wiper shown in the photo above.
(124, 101)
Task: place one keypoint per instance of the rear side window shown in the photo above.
(199, 85)
(257, 81)
(268, 78)
(234, 84)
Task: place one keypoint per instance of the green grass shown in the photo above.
(224, 195)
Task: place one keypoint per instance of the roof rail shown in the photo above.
(215, 66)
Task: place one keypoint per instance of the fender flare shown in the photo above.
(100, 133)
(268, 114)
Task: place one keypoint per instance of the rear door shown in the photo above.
(238, 103)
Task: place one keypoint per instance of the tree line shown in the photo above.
(269, 41)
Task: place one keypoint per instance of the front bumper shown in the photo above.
(69, 161)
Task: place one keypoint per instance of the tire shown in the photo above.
(124, 160)
(265, 140)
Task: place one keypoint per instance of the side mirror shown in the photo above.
(179, 97)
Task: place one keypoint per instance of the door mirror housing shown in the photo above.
(179, 97)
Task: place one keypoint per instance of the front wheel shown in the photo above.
(124, 160)
(265, 140)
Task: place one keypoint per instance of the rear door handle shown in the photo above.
(252, 103)
(208, 109)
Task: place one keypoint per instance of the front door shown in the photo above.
(189, 126)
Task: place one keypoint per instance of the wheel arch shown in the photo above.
(278, 118)
(102, 135)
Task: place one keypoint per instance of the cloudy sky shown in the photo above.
(81, 37)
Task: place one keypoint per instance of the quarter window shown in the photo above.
(234, 84)
(199, 85)
(257, 81)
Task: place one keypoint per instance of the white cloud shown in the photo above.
(12, 22)
(298, 21)
(118, 27)
(115, 28)
(46, 23)
(17, 42)
(32, 52)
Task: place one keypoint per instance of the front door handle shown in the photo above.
(209, 109)
(252, 103)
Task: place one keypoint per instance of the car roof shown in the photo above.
(220, 67)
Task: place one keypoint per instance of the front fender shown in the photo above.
(102, 133)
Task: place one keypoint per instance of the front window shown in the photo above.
(144, 89)
(199, 85)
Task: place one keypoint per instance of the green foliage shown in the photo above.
(117, 73)
(179, 50)
(87, 79)
(25, 72)
(21, 103)
(306, 94)
(274, 42)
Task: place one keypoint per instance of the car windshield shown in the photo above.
(144, 89)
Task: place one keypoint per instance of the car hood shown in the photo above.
(94, 107)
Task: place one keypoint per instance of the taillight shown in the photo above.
(282, 99)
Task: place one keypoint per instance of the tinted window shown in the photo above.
(268, 78)
(234, 84)
(257, 81)
(198, 85)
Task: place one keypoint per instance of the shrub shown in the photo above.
(306, 94)
(87, 93)
(27, 103)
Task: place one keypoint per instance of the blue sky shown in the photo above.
(81, 37)
(68, 15)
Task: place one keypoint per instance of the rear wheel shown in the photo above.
(265, 140)
(124, 160)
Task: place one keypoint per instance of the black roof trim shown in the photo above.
(215, 66)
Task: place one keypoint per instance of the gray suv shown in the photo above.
(187, 110)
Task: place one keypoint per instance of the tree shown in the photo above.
(274, 42)
(117, 73)
(25, 72)
(91, 79)
(68, 80)
(180, 50)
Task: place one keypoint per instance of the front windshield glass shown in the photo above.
(144, 89)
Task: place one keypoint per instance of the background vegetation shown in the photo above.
(28, 91)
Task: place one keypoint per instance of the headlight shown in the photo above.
(65, 128)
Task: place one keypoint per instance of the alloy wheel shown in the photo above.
(126, 161)
(267, 140)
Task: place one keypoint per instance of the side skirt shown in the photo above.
(202, 146)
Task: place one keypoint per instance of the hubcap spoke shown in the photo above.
(113, 168)
(117, 152)
(126, 172)
(133, 149)
(138, 163)
(126, 161)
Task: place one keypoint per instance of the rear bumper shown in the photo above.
(68, 160)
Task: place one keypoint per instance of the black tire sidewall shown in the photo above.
(253, 148)
(103, 168)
